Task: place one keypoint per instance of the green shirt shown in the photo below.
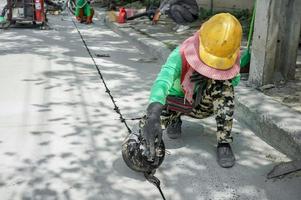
(168, 81)
(81, 3)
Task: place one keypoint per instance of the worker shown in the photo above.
(84, 12)
(198, 80)
(182, 12)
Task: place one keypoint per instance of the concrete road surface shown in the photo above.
(60, 138)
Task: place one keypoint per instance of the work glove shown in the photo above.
(197, 78)
(152, 129)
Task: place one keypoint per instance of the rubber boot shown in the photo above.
(225, 156)
(174, 130)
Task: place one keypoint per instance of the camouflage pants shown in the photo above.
(217, 99)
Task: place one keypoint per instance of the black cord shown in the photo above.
(116, 108)
(154, 180)
(162, 195)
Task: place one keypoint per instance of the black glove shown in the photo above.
(197, 78)
(152, 129)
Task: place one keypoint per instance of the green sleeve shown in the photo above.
(170, 71)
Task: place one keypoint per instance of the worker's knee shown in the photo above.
(180, 14)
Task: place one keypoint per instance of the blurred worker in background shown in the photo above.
(84, 12)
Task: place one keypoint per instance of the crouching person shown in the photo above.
(197, 80)
(182, 12)
(84, 12)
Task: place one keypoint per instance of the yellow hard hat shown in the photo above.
(219, 39)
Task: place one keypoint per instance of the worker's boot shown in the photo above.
(225, 156)
(173, 130)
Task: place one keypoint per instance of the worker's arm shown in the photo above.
(170, 71)
(165, 79)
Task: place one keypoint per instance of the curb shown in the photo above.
(274, 123)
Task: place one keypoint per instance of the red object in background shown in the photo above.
(122, 15)
(39, 10)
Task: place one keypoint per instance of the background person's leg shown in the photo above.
(180, 14)
(79, 14)
(90, 16)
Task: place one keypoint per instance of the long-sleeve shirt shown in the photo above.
(168, 81)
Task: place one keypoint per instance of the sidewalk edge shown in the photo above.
(274, 123)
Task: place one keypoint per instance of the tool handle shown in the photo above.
(251, 26)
